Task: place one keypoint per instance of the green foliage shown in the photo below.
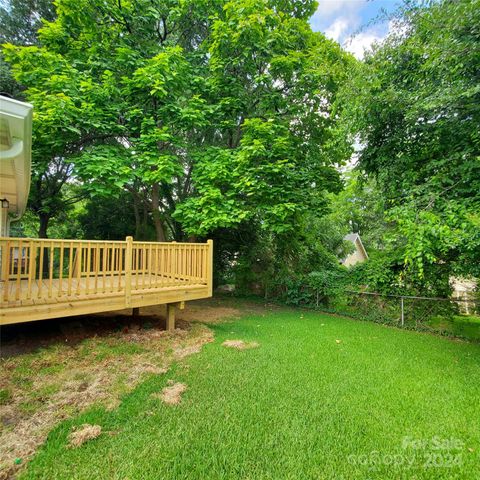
(416, 106)
(360, 208)
(110, 218)
(209, 114)
(385, 272)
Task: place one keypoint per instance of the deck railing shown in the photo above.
(55, 270)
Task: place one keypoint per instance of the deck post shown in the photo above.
(5, 257)
(210, 267)
(128, 272)
(171, 316)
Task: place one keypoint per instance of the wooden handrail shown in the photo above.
(54, 269)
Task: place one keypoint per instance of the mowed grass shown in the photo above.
(322, 397)
(466, 326)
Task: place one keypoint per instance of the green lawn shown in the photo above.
(380, 404)
(466, 326)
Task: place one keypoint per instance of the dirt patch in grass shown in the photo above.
(172, 394)
(70, 370)
(239, 344)
(83, 434)
(203, 312)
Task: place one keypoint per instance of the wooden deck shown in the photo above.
(43, 279)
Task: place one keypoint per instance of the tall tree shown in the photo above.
(20, 21)
(209, 113)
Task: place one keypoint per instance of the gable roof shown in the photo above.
(356, 240)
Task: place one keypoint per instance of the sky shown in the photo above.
(347, 22)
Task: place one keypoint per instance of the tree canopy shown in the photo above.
(210, 114)
(418, 117)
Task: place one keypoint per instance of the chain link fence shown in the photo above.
(458, 317)
(410, 311)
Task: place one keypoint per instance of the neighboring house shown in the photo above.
(15, 155)
(463, 289)
(359, 255)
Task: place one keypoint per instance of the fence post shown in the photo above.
(210, 267)
(128, 272)
(401, 306)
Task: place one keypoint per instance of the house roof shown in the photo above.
(15, 153)
(356, 240)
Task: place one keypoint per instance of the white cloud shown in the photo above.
(339, 19)
(361, 42)
(337, 29)
(330, 11)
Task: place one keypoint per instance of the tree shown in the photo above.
(417, 112)
(19, 21)
(210, 114)
(51, 174)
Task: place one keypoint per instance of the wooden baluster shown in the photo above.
(194, 263)
(169, 265)
(144, 263)
(104, 266)
(176, 262)
(19, 270)
(189, 263)
(210, 267)
(154, 265)
(97, 266)
(179, 263)
(40, 270)
(173, 259)
(89, 260)
(6, 269)
(80, 250)
(161, 265)
(184, 262)
(70, 269)
(60, 271)
(150, 265)
(137, 264)
(111, 266)
(198, 262)
(158, 267)
(31, 267)
(121, 259)
(183, 259)
(50, 270)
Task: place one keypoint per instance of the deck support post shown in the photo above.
(210, 267)
(128, 271)
(171, 316)
(135, 312)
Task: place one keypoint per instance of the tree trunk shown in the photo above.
(160, 231)
(43, 228)
(136, 212)
(43, 233)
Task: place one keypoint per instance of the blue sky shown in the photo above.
(347, 22)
